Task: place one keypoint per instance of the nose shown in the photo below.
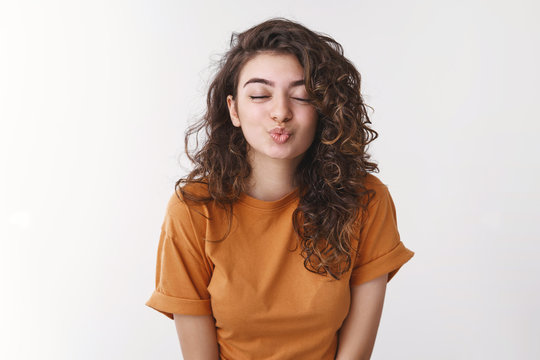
(281, 110)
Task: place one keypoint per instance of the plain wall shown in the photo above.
(94, 100)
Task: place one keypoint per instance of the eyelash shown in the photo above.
(264, 97)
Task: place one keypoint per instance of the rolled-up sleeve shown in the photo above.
(183, 271)
(380, 249)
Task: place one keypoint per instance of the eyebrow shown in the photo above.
(271, 83)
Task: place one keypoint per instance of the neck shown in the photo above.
(272, 179)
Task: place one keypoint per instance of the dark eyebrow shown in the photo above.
(260, 81)
(271, 83)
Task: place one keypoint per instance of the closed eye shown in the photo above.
(266, 97)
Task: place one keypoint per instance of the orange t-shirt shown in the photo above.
(265, 303)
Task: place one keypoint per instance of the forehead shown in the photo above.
(272, 66)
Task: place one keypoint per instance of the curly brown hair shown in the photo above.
(332, 173)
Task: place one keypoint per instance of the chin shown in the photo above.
(285, 156)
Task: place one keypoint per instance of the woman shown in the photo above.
(279, 243)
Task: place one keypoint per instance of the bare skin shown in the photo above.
(359, 330)
(271, 95)
(197, 335)
(258, 108)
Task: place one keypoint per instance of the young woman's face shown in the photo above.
(272, 108)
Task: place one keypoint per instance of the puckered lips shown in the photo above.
(280, 135)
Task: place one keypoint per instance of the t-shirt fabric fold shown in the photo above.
(265, 303)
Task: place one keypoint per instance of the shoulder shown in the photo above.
(182, 213)
(373, 182)
(181, 196)
(376, 187)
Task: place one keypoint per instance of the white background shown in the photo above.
(94, 100)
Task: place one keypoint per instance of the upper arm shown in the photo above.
(380, 250)
(183, 269)
(359, 330)
(197, 336)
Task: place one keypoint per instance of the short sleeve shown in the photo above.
(380, 249)
(183, 270)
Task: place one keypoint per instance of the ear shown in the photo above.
(232, 111)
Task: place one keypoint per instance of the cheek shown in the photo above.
(250, 114)
(308, 133)
(251, 123)
(311, 121)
